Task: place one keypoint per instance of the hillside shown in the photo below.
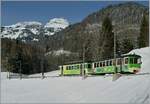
(126, 20)
(74, 89)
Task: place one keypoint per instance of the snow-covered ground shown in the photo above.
(75, 89)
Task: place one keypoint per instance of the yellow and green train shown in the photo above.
(125, 64)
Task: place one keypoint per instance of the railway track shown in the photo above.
(56, 76)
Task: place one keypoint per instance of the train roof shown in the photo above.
(81, 61)
(131, 55)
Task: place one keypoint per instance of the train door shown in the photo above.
(119, 65)
(61, 69)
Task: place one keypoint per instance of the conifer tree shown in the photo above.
(144, 33)
(127, 46)
(108, 38)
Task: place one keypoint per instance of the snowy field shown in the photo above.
(75, 89)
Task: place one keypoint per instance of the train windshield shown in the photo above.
(135, 60)
(139, 60)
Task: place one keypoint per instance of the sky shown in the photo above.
(42, 11)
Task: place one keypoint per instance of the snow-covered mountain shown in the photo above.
(33, 31)
(26, 31)
(55, 25)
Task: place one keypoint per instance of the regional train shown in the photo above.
(130, 63)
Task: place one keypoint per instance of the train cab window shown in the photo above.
(135, 60)
(126, 60)
(131, 61)
(101, 64)
(139, 60)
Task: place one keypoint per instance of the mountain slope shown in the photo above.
(126, 20)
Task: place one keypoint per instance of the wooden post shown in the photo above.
(115, 52)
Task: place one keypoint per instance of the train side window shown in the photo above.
(94, 65)
(97, 65)
(106, 63)
(66, 67)
(118, 61)
(89, 66)
(114, 62)
(81, 66)
(74, 67)
(103, 63)
(126, 60)
(78, 67)
(110, 62)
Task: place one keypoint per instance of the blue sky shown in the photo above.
(43, 11)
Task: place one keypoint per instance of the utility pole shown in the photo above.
(115, 52)
(42, 69)
(82, 71)
(20, 69)
(116, 75)
(8, 68)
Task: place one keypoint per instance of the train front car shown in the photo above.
(132, 63)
